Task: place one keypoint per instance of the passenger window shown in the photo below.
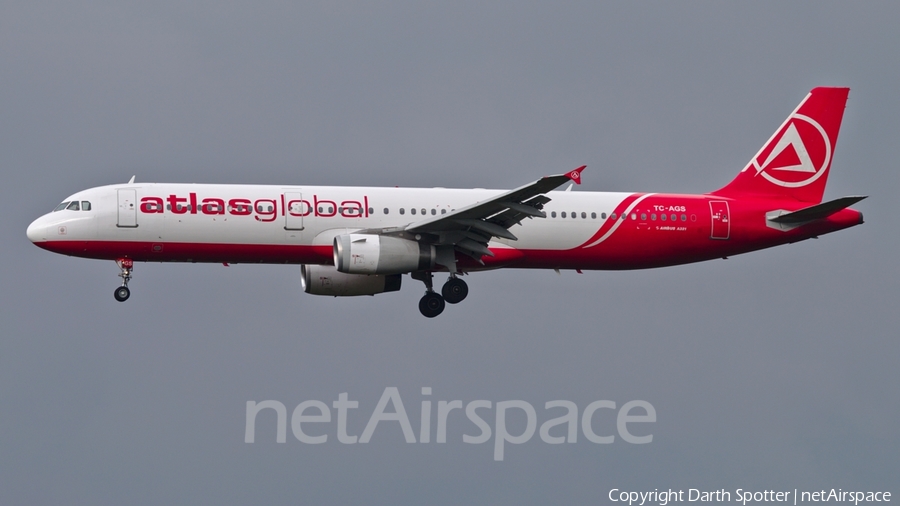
(563, 214)
(371, 210)
(574, 215)
(613, 216)
(402, 211)
(433, 212)
(593, 216)
(553, 214)
(643, 216)
(413, 210)
(61, 207)
(443, 211)
(652, 216)
(683, 217)
(385, 210)
(423, 211)
(603, 215)
(633, 216)
(662, 217)
(73, 206)
(674, 217)
(583, 215)
(85, 205)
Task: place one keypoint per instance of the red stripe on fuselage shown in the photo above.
(636, 244)
(193, 252)
(610, 222)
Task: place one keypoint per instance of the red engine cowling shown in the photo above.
(326, 280)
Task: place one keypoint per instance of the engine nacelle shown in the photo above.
(376, 254)
(326, 280)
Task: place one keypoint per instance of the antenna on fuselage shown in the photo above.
(131, 181)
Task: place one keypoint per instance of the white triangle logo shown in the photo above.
(791, 138)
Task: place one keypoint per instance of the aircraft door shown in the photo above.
(295, 208)
(721, 220)
(127, 208)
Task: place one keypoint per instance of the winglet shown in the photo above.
(575, 175)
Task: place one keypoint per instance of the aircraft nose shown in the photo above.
(36, 231)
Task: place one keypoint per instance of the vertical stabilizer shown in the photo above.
(795, 161)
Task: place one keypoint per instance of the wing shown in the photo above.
(469, 229)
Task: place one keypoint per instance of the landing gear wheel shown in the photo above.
(122, 293)
(431, 304)
(126, 265)
(455, 290)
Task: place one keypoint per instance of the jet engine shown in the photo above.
(377, 254)
(325, 280)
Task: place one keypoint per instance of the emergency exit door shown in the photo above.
(127, 210)
(721, 221)
(295, 209)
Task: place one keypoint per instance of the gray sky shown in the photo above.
(773, 370)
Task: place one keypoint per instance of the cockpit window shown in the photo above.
(73, 206)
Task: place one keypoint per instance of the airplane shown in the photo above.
(353, 241)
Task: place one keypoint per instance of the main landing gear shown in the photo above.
(432, 304)
(455, 290)
(127, 265)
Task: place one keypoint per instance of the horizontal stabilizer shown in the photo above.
(816, 212)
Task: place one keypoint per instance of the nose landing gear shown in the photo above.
(122, 293)
(126, 265)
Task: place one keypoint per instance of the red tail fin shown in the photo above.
(795, 161)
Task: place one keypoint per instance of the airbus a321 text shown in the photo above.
(361, 240)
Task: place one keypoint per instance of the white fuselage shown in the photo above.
(297, 215)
